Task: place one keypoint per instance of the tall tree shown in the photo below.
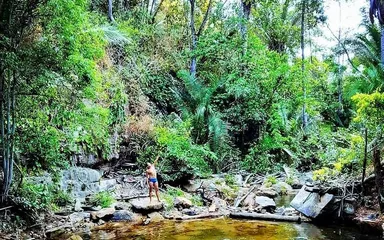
(195, 35)
(304, 114)
(110, 15)
(376, 9)
(15, 18)
(246, 6)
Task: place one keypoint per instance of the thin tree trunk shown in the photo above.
(382, 45)
(378, 177)
(304, 115)
(193, 39)
(340, 75)
(365, 159)
(110, 15)
(195, 35)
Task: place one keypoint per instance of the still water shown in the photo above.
(225, 229)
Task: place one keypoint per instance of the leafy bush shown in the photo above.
(179, 158)
(103, 199)
(42, 197)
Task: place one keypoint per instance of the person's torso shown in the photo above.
(152, 172)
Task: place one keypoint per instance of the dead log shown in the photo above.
(200, 216)
(267, 217)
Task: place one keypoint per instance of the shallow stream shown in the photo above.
(225, 229)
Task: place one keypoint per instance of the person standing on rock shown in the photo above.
(152, 179)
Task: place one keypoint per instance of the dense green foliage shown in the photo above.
(81, 80)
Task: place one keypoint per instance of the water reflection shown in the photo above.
(224, 229)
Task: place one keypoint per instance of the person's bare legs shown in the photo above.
(156, 185)
(150, 191)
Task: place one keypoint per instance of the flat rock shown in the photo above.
(311, 204)
(265, 202)
(103, 213)
(122, 215)
(143, 204)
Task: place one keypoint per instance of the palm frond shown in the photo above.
(114, 36)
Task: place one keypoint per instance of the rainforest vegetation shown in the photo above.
(208, 86)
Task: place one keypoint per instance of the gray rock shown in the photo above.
(192, 186)
(265, 202)
(80, 182)
(267, 192)
(190, 212)
(155, 217)
(143, 204)
(311, 204)
(78, 205)
(181, 202)
(121, 205)
(78, 217)
(122, 215)
(103, 213)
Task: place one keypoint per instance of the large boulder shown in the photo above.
(182, 202)
(122, 215)
(80, 182)
(143, 205)
(311, 203)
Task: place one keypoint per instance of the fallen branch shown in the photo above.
(125, 198)
(5, 208)
(269, 217)
(237, 203)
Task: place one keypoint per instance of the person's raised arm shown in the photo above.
(157, 158)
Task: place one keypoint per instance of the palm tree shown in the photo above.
(196, 103)
(376, 9)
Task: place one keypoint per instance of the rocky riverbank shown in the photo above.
(230, 195)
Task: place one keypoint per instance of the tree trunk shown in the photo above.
(304, 114)
(378, 177)
(193, 39)
(365, 160)
(110, 16)
(245, 13)
(340, 75)
(382, 45)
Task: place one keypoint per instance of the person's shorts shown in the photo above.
(153, 180)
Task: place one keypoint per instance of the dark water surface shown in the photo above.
(226, 229)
